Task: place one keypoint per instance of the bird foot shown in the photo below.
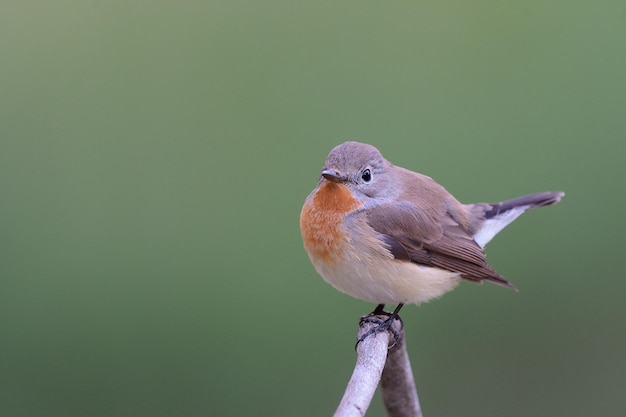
(381, 325)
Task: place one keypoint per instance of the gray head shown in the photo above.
(359, 166)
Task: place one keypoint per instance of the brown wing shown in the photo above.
(433, 239)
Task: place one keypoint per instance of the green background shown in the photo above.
(154, 157)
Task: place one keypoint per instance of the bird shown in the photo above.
(387, 235)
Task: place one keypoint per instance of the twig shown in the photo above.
(371, 356)
(375, 359)
(398, 386)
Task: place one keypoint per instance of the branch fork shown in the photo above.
(381, 358)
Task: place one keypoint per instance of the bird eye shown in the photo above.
(366, 175)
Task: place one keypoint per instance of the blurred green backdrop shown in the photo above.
(154, 157)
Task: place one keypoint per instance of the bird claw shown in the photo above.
(381, 326)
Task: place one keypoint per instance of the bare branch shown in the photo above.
(375, 359)
(397, 384)
(370, 361)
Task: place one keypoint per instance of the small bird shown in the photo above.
(387, 235)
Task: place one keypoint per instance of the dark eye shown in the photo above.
(366, 175)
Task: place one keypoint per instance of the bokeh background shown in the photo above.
(154, 157)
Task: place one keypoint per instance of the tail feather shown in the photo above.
(498, 216)
(528, 201)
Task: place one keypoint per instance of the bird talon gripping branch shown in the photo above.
(380, 326)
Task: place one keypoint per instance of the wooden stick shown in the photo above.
(375, 359)
(397, 384)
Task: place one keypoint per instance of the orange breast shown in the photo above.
(321, 220)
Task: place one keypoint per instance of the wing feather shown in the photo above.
(432, 239)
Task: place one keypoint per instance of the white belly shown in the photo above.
(384, 280)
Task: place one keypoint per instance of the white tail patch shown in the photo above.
(492, 227)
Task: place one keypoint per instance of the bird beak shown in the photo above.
(332, 175)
